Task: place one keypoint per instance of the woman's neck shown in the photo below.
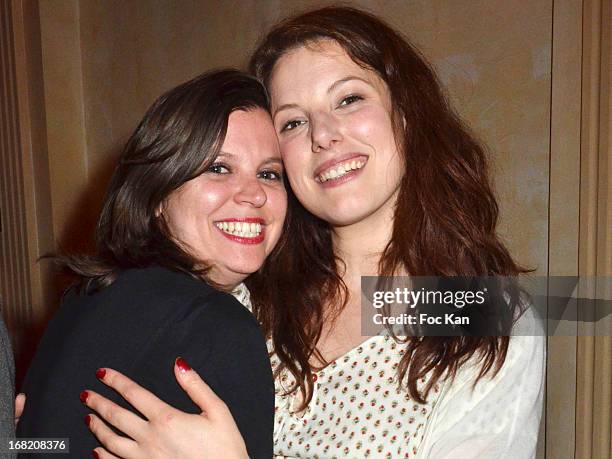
(361, 245)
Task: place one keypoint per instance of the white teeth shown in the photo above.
(245, 230)
(341, 170)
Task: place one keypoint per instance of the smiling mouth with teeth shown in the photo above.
(240, 229)
(340, 170)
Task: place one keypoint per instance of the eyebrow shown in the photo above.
(273, 160)
(344, 80)
(333, 86)
(269, 160)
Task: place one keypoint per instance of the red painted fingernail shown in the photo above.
(95, 454)
(100, 373)
(87, 420)
(84, 396)
(183, 365)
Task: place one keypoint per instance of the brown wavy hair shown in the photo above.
(178, 139)
(445, 218)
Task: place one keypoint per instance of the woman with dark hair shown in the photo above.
(384, 179)
(195, 205)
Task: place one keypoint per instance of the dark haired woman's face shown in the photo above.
(333, 119)
(232, 215)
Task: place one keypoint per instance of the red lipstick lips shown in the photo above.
(238, 222)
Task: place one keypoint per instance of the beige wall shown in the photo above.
(107, 61)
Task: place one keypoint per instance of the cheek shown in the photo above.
(195, 204)
(295, 163)
(277, 200)
(210, 200)
(373, 125)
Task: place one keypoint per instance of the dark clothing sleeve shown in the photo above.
(7, 386)
(225, 346)
(138, 326)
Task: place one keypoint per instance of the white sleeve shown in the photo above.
(499, 417)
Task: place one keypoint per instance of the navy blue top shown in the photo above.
(139, 325)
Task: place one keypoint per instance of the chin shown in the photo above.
(246, 265)
(346, 213)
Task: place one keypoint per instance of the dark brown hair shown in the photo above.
(445, 218)
(178, 139)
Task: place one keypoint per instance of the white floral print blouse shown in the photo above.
(358, 411)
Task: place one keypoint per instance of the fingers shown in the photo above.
(124, 420)
(200, 393)
(121, 446)
(140, 398)
(19, 406)
(101, 453)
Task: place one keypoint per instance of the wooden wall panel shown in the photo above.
(27, 287)
(564, 217)
(594, 350)
(35, 163)
(15, 293)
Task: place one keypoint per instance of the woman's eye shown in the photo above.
(218, 169)
(348, 100)
(289, 125)
(271, 175)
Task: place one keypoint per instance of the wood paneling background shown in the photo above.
(15, 279)
(531, 77)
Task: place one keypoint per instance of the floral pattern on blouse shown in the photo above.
(357, 409)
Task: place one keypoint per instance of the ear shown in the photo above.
(159, 210)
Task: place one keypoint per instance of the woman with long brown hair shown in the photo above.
(195, 204)
(384, 179)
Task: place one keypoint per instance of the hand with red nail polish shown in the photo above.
(167, 432)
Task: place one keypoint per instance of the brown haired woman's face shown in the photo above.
(333, 119)
(232, 215)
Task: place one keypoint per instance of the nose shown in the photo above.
(251, 193)
(324, 131)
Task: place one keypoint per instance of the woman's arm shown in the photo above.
(497, 418)
(166, 432)
(224, 343)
